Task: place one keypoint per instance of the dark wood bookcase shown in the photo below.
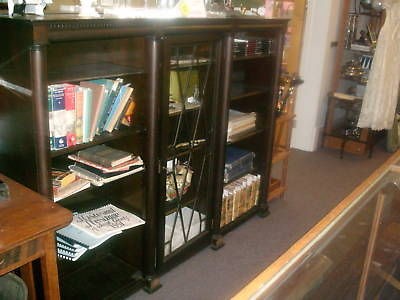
(177, 136)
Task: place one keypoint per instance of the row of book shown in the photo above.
(240, 124)
(92, 228)
(239, 196)
(95, 165)
(78, 112)
(251, 46)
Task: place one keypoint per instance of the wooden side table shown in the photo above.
(27, 225)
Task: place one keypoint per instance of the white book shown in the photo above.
(98, 180)
(105, 220)
(89, 241)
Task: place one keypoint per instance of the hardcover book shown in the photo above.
(117, 107)
(136, 161)
(98, 98)
(105, 155)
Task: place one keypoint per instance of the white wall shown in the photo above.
(317, 61)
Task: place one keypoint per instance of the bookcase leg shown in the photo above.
(151, 284)
(217, 241)
(263, 210)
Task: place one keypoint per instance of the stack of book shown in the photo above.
(101, 164)
(78, 112)
(240, 124)
(66, 183)
(90, 229)
(239, 196)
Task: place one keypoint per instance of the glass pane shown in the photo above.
(188, 166)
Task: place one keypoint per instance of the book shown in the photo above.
(105, 155)
(79, 94)
(74, 187)
(112, 96)
(77, 236)
(86, 113)
(98, 179)
(69, 113)
(58, 131)
(127, 118)
(122, 115)
(105, 220)
(68, 252)
(62, 177)
(98, 98)
(108, 86)
(135, 161)
(117, 107)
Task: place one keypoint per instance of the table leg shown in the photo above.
(27, 276)
(48, 264)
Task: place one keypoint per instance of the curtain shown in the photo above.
(380, 99)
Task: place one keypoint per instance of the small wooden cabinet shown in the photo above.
(182, 71)
(285, 116)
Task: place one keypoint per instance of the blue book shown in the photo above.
(112, 97)
(237, 163)
(117, 107)
(58, 131)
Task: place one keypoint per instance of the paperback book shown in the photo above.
(105, 220)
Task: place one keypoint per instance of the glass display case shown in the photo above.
(353, 253)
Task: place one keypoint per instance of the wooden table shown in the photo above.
(27, 225)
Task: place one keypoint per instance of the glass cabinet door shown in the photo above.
(188, 115)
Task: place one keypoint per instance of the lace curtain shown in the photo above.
(380, 99)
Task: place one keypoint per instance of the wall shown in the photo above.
(316, 67)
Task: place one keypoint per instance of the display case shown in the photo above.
(352, 253)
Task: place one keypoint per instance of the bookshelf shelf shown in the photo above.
(251, 57)
(243, 93)
(91, 71)
(132, 131)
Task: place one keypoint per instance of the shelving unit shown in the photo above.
(25, 103)
(285, 111)
(250, 52)
(182, 143)
(360, 28)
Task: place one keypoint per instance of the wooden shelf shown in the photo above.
(279, 154)
(284, 117)
(272, 194)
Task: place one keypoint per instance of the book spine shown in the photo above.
(57, 116)
(87, 114)
(127, 117)
(79, 115)
(70, 114)
(110, 102)
(116, 108)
